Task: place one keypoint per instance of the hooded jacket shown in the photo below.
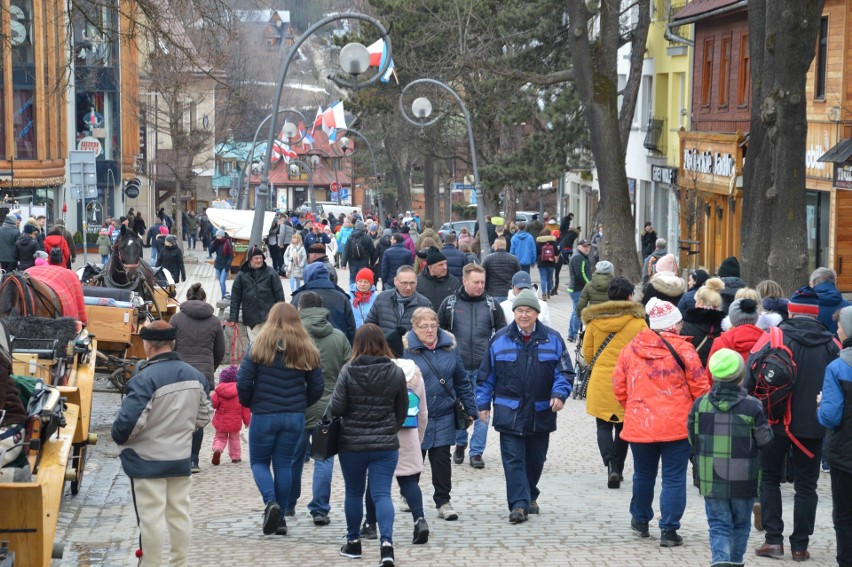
(666, 287)
(334, 351)
(200, 340)
(372, 398)
(648, 266)
(368, 251)
(57, 241)
(427, 233)
(579, 272)
(392, 315)
(655, 392)
(813, 349)
(835, 411)
(726, 427)
(830, 301)
(444, 362)
(732, 286)
(473, 320)
(333, 298)
(394, 257)
(222, 261)
(740, 339)
(703, 326)
(361, 311)
(500, 266)
(230, 415)
(256, 291)
(594, 292)
(25, 248)
(410, 455)
(171, 258)
(436, 290)
(523, 248)
(539, 245)
(166, 401)
(409, 244)
(624, 318)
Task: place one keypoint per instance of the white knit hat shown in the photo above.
(662, 315)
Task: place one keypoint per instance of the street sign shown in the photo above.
(131, 189)
(343, 195)
(90, 144)
(335, 186)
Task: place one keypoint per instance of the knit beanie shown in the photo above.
(726, 365)
(220, 233)
(526, 298)
(359, 224)
(164, 230)
(604, 267)
(729, 268)
(743, 312)
(365, 274)
(433, 256)
(805, 301)
(662, 315)
(666, 264)
(255, 251)
(30, 229)
(227, 375)
(845, 320)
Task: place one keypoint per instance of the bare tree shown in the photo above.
(782, 42)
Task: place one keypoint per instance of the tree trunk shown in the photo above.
(430, 186)
(178, 214)
(782, 40)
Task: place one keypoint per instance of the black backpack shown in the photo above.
(55, 256)
(357, 250)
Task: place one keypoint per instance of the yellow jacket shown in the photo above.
(624, 318)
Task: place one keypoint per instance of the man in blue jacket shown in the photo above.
(523, 247)
(455, 258)
(527, 375)
(824, 281)
(394, 258)
(166, 401)
(834, 410)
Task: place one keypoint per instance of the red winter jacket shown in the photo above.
(230, 415)
(740, 339)
(54, 240)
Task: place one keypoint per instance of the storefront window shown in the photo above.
(24, 122)
(98, 118)
(817, 209)
(21, 32)
(94, 34)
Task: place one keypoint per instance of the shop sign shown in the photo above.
(843, 175)
(820, 139)
(708, 163)
(667, 175)
(90, 144)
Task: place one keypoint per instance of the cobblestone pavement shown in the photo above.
(581, 522)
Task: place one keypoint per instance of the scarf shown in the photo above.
(362, 297)
(847, 343)
(402, 302)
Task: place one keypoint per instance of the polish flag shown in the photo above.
(378, 54)
(317, 120)
(334, 117)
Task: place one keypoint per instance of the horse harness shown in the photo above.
(28, 292)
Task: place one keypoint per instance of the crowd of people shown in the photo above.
(431, 342)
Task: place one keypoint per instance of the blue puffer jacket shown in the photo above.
(830, 301)
(393, 258)
(521, 378)
(835, 411)
(361, 311)
(277, 388)
(447, 362)
(455, 260)
(523, 248)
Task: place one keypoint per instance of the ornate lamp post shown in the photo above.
(346, 143)
(354, 60)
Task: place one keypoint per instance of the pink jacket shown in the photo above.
(409, 244)
(230, 415)
(410, 456)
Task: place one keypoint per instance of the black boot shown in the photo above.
(613, 476)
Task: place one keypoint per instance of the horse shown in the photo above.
(25, 296)
(126, 268)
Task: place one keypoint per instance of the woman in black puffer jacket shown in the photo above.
(372, 398)
(170, 257)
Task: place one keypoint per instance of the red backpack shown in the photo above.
(548, 252)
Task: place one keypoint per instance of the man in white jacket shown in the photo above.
(520, 282)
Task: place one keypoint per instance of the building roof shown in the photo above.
(840, 153)
(262, 16)
(703, 9)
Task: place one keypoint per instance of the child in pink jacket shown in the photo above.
(229, 417)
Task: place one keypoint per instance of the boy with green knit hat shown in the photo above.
(726, 426)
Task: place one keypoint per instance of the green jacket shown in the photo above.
(334, 353)
(595, 291)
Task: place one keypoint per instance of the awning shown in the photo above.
(839, 153)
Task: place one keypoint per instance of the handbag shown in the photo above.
(460, 415)
(326, 437)
(584, 375)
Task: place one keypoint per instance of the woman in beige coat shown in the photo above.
(625, 319)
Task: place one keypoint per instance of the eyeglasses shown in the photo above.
(406, 284)
(525, 312)
(427, 327)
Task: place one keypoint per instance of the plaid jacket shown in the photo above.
(726, 428)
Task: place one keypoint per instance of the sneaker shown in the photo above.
(533, 507)
(571, 339)
(477, 462)
(321, 519)
(669, 538)
(351, 549)
(217, 456)
(421, 532)
(282, 527)
(290, 513)
(640, 528)
(446, 512)
(369, 532)
(387, 555)
(236, 461)
(271, 516)
(403, 505)
(518, 516)
(458, 454)
(195, 468)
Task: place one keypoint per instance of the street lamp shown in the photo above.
(421, 108)
(290, 131)
(314, 158)
(345, 143)
(354, 59)
(295, 171)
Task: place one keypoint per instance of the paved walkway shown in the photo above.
(581, 522)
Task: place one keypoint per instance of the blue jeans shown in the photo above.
(525, 267)
(355, 465)
(409, 487)
(104, 258)
(153, 255)
(295, 283)
(729, 521)
(222, 276)
(574, 325)
(546, 275)
(321, 486)
(480, 430)
(272, 440)
(523, 460)
(646, 460)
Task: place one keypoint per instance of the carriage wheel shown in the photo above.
(120, 376)
(79, 459)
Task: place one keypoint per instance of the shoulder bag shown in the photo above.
(585, 374)
(324, 442)
(460, 415)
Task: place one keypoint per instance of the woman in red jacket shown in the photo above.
(657, 378)
(744, 332)
(55, 239)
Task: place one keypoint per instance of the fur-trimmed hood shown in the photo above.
(613, 309)
(445, 340)
(668, 284)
